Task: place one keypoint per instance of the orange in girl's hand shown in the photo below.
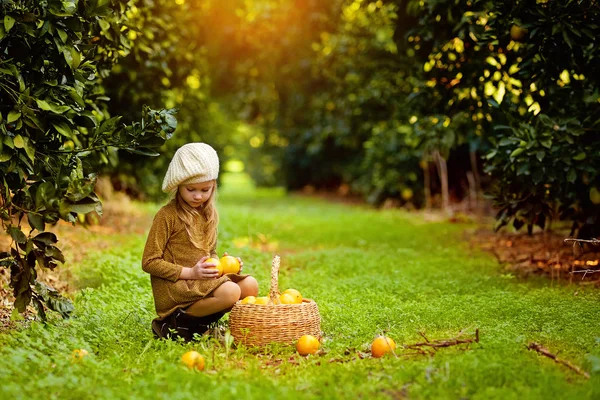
(382, 345)
(230, 264)
(217, 263)
(307, 344)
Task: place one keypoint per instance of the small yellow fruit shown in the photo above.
(262, 300)
(406, 194)
(382, 345)
(286, 298)
(193, 359)
(295, 294)
(249, 300)
(517, 32)
(217, 263)
(307, 344)
(230, 264)
(79, 354)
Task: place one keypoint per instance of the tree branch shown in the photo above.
(543, 351)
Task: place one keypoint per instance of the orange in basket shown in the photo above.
(254, 324)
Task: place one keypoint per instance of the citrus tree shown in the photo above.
(56, 130)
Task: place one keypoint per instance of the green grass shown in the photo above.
(369, 271)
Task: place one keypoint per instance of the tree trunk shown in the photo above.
(442, 168)
(427, 184)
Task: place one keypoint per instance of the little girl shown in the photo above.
(188, 295)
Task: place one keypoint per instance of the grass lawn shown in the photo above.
(369, 271)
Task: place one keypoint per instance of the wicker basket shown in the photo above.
(254, 324)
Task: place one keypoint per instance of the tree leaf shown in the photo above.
(45, 239)
(17, 235)
(19, 142)
(63, 128)
(13, 116)
(36, 221)
(9, 22)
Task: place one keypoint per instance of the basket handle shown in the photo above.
(274, 292)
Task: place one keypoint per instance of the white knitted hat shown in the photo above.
(192, 163)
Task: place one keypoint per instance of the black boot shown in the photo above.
(181, 324)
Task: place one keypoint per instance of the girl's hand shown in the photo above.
(204, 270)
(239, 260)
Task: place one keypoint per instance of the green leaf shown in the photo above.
(5, 156)
(53, 107)
(44, 194)
(142, 151)
(540, 155)
(29, 149)
(567, 39)
(36, 221)
(547, 143)
(580, 156)
(62, 34)
(63, 8)
(17, 235)
(63, 128)
(9, 22)
(572, 175)
(19, 142)
(108, 126)
(45, 239)
(13, 116)
(516, 152)
(82, 207)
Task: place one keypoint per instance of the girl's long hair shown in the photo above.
(206, 238)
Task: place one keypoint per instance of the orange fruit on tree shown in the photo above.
(249, 300)
(295, 294)
(230, 264)
(382, 345)
(307, 344)
(193, 359)
(262, 300)
(217, 263)
(286, 298)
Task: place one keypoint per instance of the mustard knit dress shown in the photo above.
(168, 249)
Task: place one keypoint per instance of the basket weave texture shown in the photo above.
(255, 324)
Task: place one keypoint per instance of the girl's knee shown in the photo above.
(248, 286)
(229, 292)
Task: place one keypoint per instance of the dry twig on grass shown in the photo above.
(442, 342)
(543, 351)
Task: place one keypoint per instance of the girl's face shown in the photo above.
(196, 194)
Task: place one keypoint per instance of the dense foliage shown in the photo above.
(399, 98)
(408, 100)
(56, 130)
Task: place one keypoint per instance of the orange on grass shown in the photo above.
(193, 359)
(262, 300)
(78, 354)
(286, 298)
(295, 294)
(307, 344)
(382, 345)
(230, 264)
(217, 263)
(249, 300)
